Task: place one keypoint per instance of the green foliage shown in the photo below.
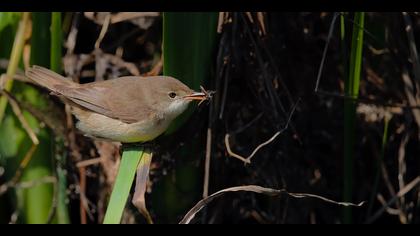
(38, 199)
(126, 172)
(188, 50)
(189, 42)
(55, 65)
(351, 88)
(56, 42)
(35, 203)
(8, 18)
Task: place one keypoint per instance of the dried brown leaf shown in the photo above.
(256, 189)
(141, 184)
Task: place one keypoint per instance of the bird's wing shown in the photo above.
(110, 98)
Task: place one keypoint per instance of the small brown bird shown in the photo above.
(126, 109)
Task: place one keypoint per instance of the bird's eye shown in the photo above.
(172, 94)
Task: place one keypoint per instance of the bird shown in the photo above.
(128, 109)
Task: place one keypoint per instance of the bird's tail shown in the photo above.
(49, 79)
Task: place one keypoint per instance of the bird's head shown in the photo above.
(174, 96)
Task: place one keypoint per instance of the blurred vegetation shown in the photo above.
(351, 88)
(354, 136)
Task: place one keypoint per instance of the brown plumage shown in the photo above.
(126, 109)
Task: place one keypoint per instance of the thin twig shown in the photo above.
(72, 36)
(221, 21)
(225, 89)
(83, 202)
(247, 160)
(401, 173)
(119, 62)
(125, 16)
(156, 68)
(409, 89)
(240, 129)
(15, 57)
(413, 97)
(53, 209)
(103, 30)
(27, 184)
(24, 163)
(260, 18)
(18, 112)
(267, 82)
(412, 45)
(119, 17)
(361, 100)
(28, 156)
(386, 179)
(365, 100)
(19, 74)
(36, 182)
(207, 164)
(400, 193)
(88, 162)
(324, 53)
(391, 211)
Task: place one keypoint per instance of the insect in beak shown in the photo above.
(202, 96)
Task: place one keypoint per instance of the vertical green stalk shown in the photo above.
(342, 26)
(34, 204)
(343, 41)
(351, 88)
(56, 42)
(189, 42)
(352, 85)
(126, 172)
(38, 200)
(55, 65)
(188, 45)
(9, 22)
(14, 59)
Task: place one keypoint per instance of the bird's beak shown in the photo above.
(196, 96)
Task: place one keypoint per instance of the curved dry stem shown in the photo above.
(247, 160)
(257, 189)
